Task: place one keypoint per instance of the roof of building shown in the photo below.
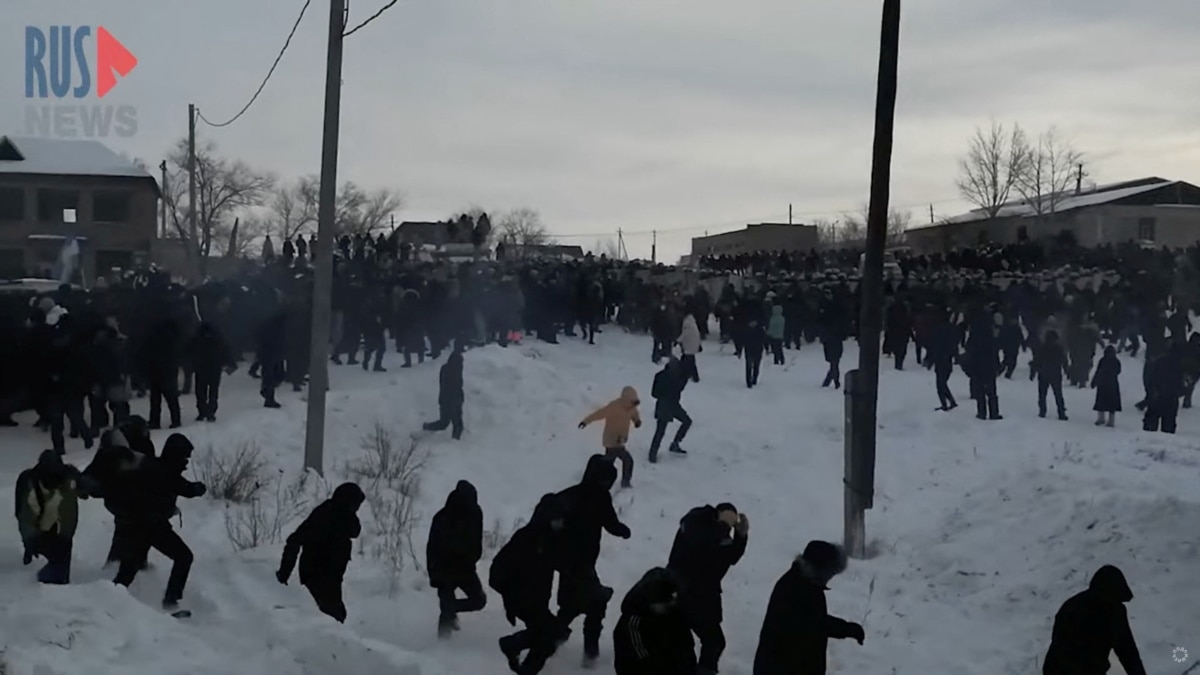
(547, 249)
(58, 157)
(1095, 196)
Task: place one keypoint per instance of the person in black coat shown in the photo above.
(450, 396)
(375, 321)
(455, 547)
(323, 544)
(796, 630)
(653, 636)
(833, 338)
(1107, 383)
(1010, 340)
(710, 540)
(982, 365)
(157, 484)
(65, 369)
(667, 391)
(754, 342)
(941, 353)
(1090, 625)
(209, 354)
(1164, 386)
(271, 352)
(588, 509)
(898, 332)
(161, 361)
(109, 476)
(522, 572)
(1050, 363)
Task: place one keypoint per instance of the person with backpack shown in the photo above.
(455, 547)
(47, 510)
(323, 544)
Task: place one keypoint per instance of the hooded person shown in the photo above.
(710, 540)
(157, 485)
(110, 476)
(653, 636)
(690, 345)
(323, 544)
(47, 511)
(776, 329)
(450, 396)
(522, 572)
(454, 549)
(618, 414)
(797, 627)
(588, 509)
(136, 431)
(1090, 625)
(667, 391)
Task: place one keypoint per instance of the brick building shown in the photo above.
(54, 190)
(756, 237)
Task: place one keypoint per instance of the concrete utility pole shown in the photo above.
(318, 367)
(162, 202)
(862, 396)
(654, 247)
(194, 244)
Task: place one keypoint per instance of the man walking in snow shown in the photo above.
(667, 390)
(618, 415)
(1091, 625)
(455, 547)
(323, 544)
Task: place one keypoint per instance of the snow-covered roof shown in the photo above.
(59, 157)
(1101, 194)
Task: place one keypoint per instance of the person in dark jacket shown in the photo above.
(1164, 386)
(588, 509)
(271, 352)
(1107, 383)
(450, 396)
(754, 341)
(47, 511)
(209, 354)
(898, 332)
(455, 547)
(667, 391)
(523, 574)
(710, 540)
(941, 352)
(375, 320)
(833, 339)
(64, 371)
(1010, 340)
(323, 544)
(796, 630)
(157, 484)
(1050, 364)
(982, 365)
(160, 360)
(109, 476)
(1090, 625)
(652, 636)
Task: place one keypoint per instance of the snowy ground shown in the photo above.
(981, 529)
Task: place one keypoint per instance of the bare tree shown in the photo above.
(828, 232)
(522, 227)
(992, 167)
(1049, 172)
(225, 190)
(897, 226)
(608, 248)
(854, 226)
(290, 212)
(357, 211)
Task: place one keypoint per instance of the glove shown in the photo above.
(623, 531)
(743, 525)
(512, 619)
(281, 577)
(582, 425)
(28, 558)
(855, 632)
(637, 424)
(201, 489)
(701, 349)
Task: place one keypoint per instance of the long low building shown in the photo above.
(1152, 210)
(757, 237)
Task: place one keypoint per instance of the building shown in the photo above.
(562, 252)
(1154, 210)
(53, 191)
(756, 237)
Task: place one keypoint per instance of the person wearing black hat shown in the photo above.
(797, 627)
(710, 540)
(454, 548)
(323, 544)
(653, 636)
(1092, 624)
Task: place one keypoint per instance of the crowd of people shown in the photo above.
(81, 359)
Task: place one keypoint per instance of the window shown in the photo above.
(12, 204)
(55, 206)
(1146, 229)
(110, 207)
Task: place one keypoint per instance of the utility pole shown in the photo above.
(931, 214)
(862, 395)
(194, 245)
(1079, 179)
(654, 247)
(162, 206)
(789, 214)
(318, 367)
(620, 244)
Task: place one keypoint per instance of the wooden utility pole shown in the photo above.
(863, 398)
(194, 245)
(654, 247)
(162, 202)
(314, 438)
(789, 214)
(931, 214)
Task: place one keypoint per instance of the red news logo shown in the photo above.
(52, 57)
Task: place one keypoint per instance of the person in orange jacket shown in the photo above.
(618, 414)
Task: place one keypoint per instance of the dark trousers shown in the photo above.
(208, 390)
(662, 349)
(580, 592)
(451, 605)
(900, 352)
(942, 372)
(449, 415)
(328, 595)
(777, 352)
(164, 385)
(626, 462)
(688, 362)
(539, 637)
(100, 404)
(987, 403)
(1046, 384)
(1009, 363)
(58, 406)
(1161, 413)
(56, 550)
(753, 364)
(162, 538)
(704, 615)
(660, 430)
(272, 377)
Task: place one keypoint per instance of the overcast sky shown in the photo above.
(683, 116)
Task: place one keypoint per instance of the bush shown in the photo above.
(264, 521)
(499, 535)
(236, 478)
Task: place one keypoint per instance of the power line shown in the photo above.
(374, 16)
(266, 79)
